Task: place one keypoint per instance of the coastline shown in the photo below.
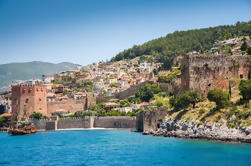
(207, 131)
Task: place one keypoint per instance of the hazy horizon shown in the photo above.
(83, 32)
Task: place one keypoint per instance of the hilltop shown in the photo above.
(28, 70)
(179, 43)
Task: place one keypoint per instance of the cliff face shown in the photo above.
(205, 72)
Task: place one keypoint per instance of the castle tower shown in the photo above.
(27, 99)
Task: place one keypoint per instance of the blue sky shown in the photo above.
(86, 31)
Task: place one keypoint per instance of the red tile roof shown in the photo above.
(5, 114)
(144, 104)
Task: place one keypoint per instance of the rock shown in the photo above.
(215, 131)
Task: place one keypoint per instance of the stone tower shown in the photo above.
(27, 99)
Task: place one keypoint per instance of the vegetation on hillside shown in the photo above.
(185, 99)
(38, 116)
(165, 49)
(4, 121)
(147, 92)
(220, 97)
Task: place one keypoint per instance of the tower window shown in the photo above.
(26, 100)
(23, 90)
(241, 76)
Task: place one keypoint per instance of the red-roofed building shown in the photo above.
(5, 115)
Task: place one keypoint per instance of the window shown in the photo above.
(26, 100)
(241, 76)
(40, 99)
(23, 90)
(29, 91)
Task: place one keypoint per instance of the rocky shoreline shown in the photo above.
(196, 130)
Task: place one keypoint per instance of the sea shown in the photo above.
(117, 148)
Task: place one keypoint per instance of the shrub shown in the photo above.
(183, 100)
(82, 114)
(245, 90)
(218, 117)
(220, 97)
(231, 125)
(170, 77)
(201, 111)
(4, 121)
(246, 113)
(249, 51)
(147, 92)
(37, 115)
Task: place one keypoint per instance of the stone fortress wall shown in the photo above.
(72, 105)
(115, 122)
(206, 72)
(86, 122)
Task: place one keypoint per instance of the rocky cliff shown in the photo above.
(196, 130)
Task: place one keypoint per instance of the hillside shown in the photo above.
(23, 71)
(165, 49)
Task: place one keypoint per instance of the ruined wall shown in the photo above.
(130, 91)
(153, 118)
(205, 72)
(115, 122)
(174, 86)
(28, 99)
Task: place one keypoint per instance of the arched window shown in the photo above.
(26, 100)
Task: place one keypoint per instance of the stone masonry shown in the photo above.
(205, 72)
(28, 99)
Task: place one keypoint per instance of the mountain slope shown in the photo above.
(165, 49)
(23, 71)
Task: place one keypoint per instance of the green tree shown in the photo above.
(245, 89)
(145, 93)
(113, 85)
(37, 115)
(220, 97)
(249, 51)
(4, 121)
(185, 99)
(166, 48)
(244, 46)
(82, 114)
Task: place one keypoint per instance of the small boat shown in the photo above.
(23, 128)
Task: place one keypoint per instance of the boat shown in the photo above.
(23, 128)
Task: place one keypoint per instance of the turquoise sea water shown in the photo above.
(117, 147)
